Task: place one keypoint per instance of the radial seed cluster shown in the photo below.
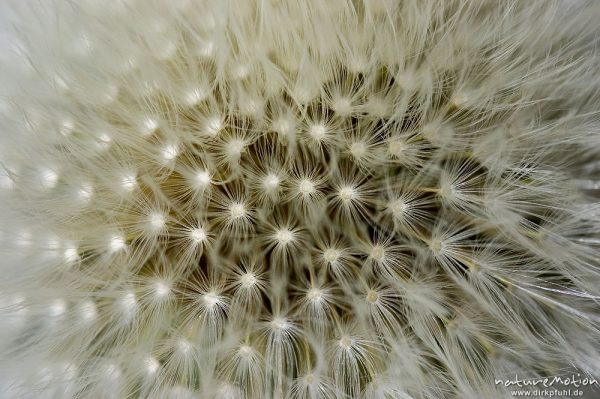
(299, 199)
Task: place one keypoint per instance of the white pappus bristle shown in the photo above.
(271, 199)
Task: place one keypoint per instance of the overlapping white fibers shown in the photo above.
(298, 199)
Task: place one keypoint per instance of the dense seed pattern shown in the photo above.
(271, 199)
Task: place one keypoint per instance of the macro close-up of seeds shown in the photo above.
(369, 199)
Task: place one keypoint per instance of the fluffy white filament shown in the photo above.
(298, 199)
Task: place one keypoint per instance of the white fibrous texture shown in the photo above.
(298, 199)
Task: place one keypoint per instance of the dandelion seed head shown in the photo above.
(170, 152)
(279, 199)
(210, 299)
(378, 253)
(358, 149)
(284, 236)
(372, 296)
(128, 302)
(397, 148)
(57, 308)
(149, 126)
(342, 106)
(237, 210)
(88, 311)
(128, 182)
(280, 324)
(202, 179)
(248, 280)
(161, 289)
(314, 294)
(184, 346)
(214, 126)
(271, 181)
(117, 243)
(157, 221)
(151, 364)
(345, 343)
(331, 255)
(306, 187)
(71, 255)
(283, 126)
(245, 350)
(195, 96)
(85, 192)
(318, 131)
(66, 127)
(198, 235)
(235, 148)
(398, 208)
(347, 193)
(49, 178)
